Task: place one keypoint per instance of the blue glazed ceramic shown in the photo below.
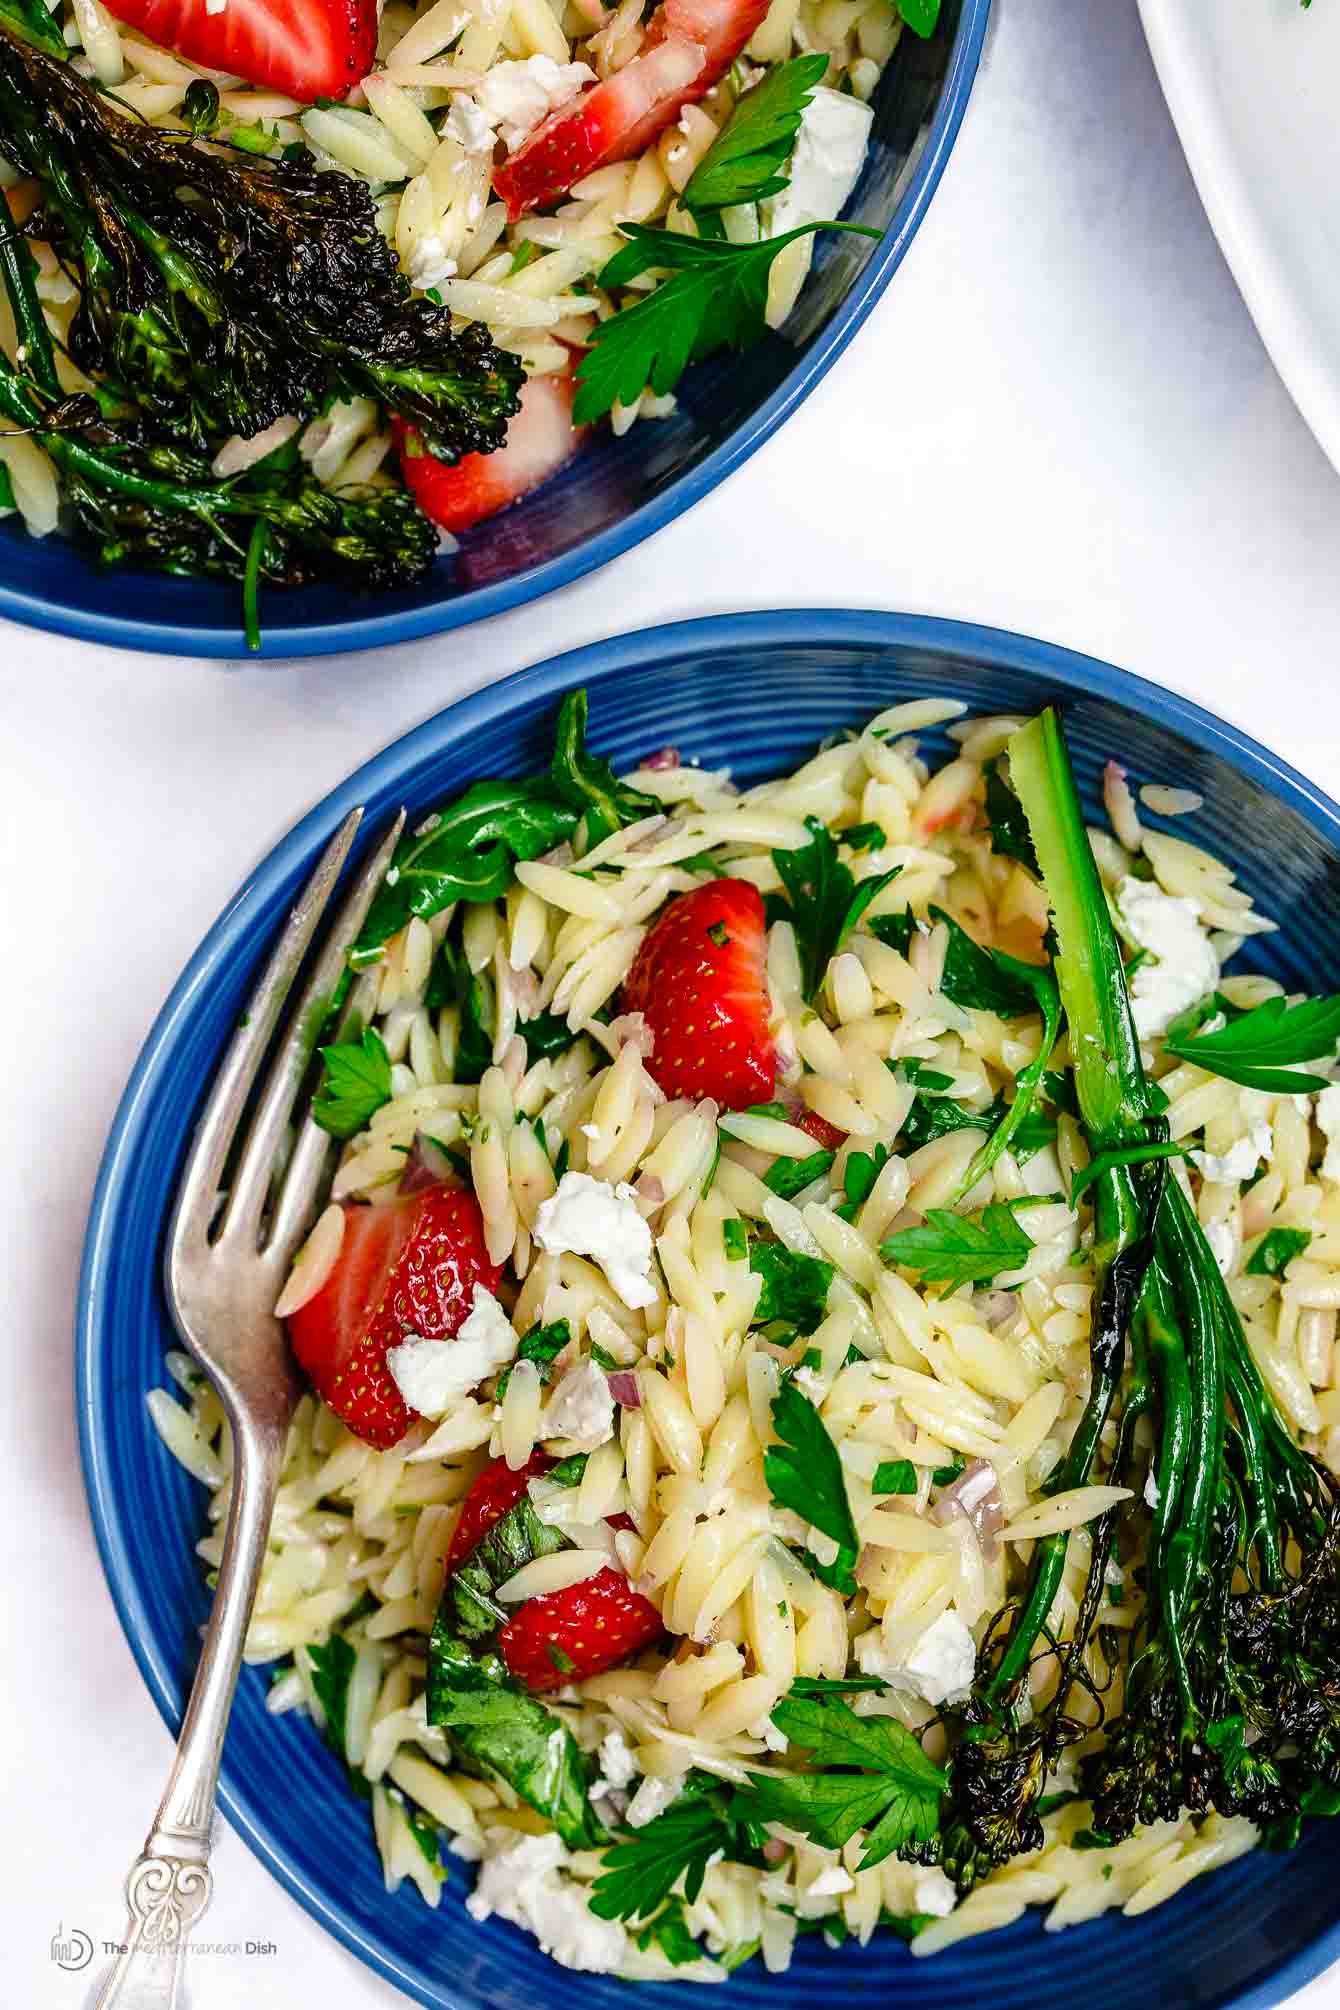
(616, 492)
(756, 692)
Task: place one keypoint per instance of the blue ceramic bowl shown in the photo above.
(616, 492)
(757, 692)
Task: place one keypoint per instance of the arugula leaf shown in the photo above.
(862, 1170)
(548, 1033)
(888, 1786)
(987, 979)
(921, 1074)
(586, 782)
(934, 1116)
(332, 1665)
(542, 1345)
(804, 1473)
(791, 1176)
(494, 1722)
(716, 298)
(1010, 835)
(748, 158)
(795, 1287)
(1276, 1250)
(355, 1082)
(1034, 1131)
(955, 1249)
(451, 982)
(825, 900)
(920, 16)
(642, 1870)
(1259, 1048)
(895, 1476)
(669, 1933)
(1047, 998)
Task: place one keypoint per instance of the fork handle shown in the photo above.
(169, 1884)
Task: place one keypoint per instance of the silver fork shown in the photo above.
(226, 1261)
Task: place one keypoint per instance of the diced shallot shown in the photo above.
(624, 1389)
(975, 1495)
(662, 760)
(426, 1164)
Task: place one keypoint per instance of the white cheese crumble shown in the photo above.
(825, 162)
(831, 1883)
(652, 1798)
(1240, 1161)
(469, 125)
(1185, 968)
(933, 1893)
(591, 1218)
(431, 1375)
(1151, 1489)
(939, 1668)
(526, 1885)
(1328, 1120)
(512, 100)
(429, 264)
(581, 1408)
(618, 1767)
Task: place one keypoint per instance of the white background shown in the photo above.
(1059, 419)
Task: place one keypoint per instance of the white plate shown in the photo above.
(1254, 90)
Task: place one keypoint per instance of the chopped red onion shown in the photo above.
(995, 1307)
(624, 1389)
(629, 1029)
(425, 1165)
(975, 1495)
(561, 855)
(663, 758)
(774, 1849)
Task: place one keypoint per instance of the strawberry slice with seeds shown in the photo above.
(307, 49)
(540, 438)
(688, 46)
(827, 1136)
(700, 980)
(409, 1265)
(582, 1630)
(494, 1494)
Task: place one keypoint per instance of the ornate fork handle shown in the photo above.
(169, 1884)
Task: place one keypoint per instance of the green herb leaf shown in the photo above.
(669, 1934)
(825, 900)
(451, 982)
(355, 1082)
(795, 1287)
(894, 930)
(516, 1539)
(862, 1170)
(934, 1116)
(542, 1345)
(715, 298)
(954, 1249)
(587, 783)
(804, 1473)
(987, 979)
(735, 1240)
(895, 1476)
(747, 159)
(1260, 1048)
(863, 837)
(791, 1176)
(643, 1870)
(944, 1476)
(1276, 1251)
(1010, 835)
(887, 1786)
(836, 1685)
(332, 1665)
(499, 1725)
(920, 16)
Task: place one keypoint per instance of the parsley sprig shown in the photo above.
(645, 1867)
(953, 1249)
(870, 1773)
(1261, 1049)
(356, 1081)
(747, 160)
(823, 900)
(804, 1473)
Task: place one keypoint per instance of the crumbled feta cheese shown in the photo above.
(469, 1848)
(933, 1893)
(469, 125)
(825, 162)
(1240, 1161)
(512, 99)
(431, 1375)
(939, 1668)
(429, 264)
(1328, 1120)
(1185, 966)
(618, 1767)
(526, 1885)
(1151, 1489)
(592, 1218)
(652, 1798)
(831, 1883)
(581, 1408)
(1222, 1237)
(768, 1734)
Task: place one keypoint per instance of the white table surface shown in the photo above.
(1059, 419)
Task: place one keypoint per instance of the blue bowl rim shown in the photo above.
(375, 631)
(1051, 664)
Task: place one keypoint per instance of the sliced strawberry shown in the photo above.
(700, 981)
(494, 1493)
(539, 439)
(688, 46)
(583, 1630)
(408, 1266)
(827, 1136)
(305, 48)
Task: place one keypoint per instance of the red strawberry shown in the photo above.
(687, 47)
(583, 1630)
(700, 981)
(407, 1266)
(305, 48)
(827, 1136)
(496, 1490)
(539, 439)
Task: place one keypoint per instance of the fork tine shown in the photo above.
(252, 1176)
(198, 1194)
